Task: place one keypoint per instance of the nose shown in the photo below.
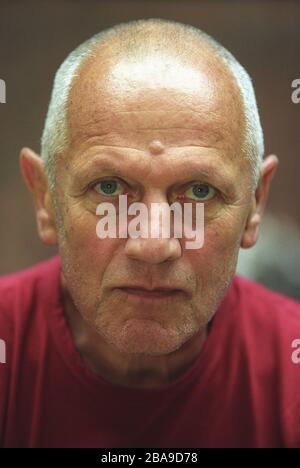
(152, 250)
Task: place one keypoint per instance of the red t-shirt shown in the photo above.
(242, 391)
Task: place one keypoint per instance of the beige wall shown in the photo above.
(35, 37)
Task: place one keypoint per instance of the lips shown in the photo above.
(153, 293)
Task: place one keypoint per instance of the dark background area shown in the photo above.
(36, 36)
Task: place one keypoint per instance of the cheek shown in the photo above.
(223, 237)
(81, 243)
(219, 252)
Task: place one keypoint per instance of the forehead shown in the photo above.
(134, 101)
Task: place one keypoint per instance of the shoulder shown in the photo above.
(20, 292)
(28, 275)
(24, 299)
(268, 322)
(262, 305)
(265, 327)
(269, 326)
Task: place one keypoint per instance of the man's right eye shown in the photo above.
(108, 188)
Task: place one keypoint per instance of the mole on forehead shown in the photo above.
(156, 147)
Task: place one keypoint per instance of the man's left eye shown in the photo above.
(200, 192)
(109, 188)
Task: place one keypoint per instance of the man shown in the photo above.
(141, 342)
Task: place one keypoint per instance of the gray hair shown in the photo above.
(55, 133)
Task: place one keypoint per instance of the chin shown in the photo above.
(147, 337)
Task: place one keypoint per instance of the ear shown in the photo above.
(268, 169)
(33, 171)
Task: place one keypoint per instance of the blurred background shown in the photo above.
(36, 36)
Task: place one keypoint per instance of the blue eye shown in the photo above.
(200, 192)
(109, 188)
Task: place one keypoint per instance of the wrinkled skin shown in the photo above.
(162, 128)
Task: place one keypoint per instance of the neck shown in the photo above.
(136, 371)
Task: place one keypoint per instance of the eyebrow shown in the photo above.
(106, 165)
(99, 166)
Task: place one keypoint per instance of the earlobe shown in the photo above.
(251, 231)
(34, 175)
(250, 235)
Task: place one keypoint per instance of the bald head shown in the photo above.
(158, 112)
(130, 63)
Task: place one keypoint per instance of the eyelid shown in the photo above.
(131, 189)
(104, 179)
(196, 182)
(209, 187)
(190, 185)
(125, 185)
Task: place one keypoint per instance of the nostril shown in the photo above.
(153, 250)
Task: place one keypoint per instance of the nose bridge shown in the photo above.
(154, 247)
(157, 244)
(154, 195)
(156, 204)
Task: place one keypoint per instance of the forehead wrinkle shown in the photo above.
(101, 107)
(139, 138)
(111, 159)
(187, 167)
(144, 119)
(94, 143)
(98, 75)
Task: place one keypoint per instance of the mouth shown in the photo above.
(156, 293)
